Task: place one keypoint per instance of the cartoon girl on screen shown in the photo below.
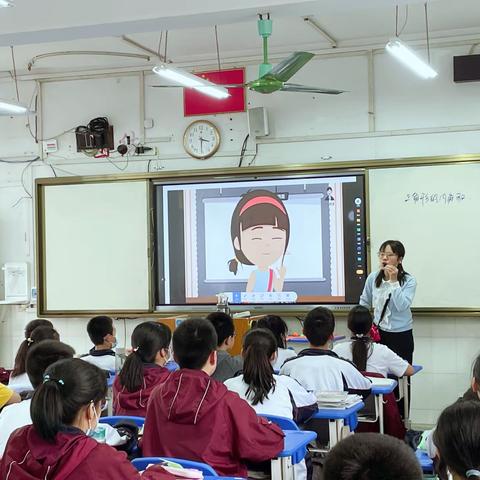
(260, 231)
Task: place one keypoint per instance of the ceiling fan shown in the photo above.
(270, 79)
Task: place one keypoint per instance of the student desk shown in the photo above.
(294, 451)
(337, 418)
(403, 393)
(381, 387)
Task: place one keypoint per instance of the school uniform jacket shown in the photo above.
(192, 416)
(323, 370)
(72, 456)
(104, 359)
(135, 403)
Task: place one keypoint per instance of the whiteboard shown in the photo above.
(433, 211)
(305, 213)
(96, 246)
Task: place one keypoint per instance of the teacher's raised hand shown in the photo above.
(391, 273)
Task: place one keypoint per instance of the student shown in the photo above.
(18, 377)
(227, 366)
(102, 334)
(369, 356)
(390, 291)
(457, 437)
(193, 416)
(371, 456)
(472, 394)
(143, 369)
(39, 357)
(38, 335)
(65, 409)
(7, 397)
(279, 328)
(266, 392)
(317, 368)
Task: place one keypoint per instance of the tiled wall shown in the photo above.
(445, 347)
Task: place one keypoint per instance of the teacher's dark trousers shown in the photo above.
(402, 344)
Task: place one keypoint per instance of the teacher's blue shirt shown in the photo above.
(398, 316)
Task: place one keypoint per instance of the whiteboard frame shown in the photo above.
(338, 167)
(40, 251)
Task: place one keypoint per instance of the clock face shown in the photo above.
(201, 139)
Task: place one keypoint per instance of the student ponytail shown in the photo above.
(359, 323)
(457, 438)
(20, 357)
(259, 345)
(148, 339)
(68, 385)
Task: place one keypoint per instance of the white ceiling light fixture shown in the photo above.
(5, 3)
(406, 55)
(187, 79)
(11, 107)
(190, 80)
(409, 58)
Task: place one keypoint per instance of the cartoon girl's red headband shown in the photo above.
(259, 200)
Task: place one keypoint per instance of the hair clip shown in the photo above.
(472, 473)
(359, 335)
(29, 340)
(136, 349)
(47, 378)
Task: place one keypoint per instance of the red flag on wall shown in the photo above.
(196, 103)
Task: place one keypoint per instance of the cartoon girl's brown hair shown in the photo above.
(258, 207)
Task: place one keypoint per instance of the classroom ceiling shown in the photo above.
(41, 26)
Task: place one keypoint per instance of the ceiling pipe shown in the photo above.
(85, 52)
(143, 47)
(322, 32)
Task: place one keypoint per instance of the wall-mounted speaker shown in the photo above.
(466, 68)
(258, 122)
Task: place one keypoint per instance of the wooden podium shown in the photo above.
(242, 325)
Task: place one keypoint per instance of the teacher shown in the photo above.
(390, 291)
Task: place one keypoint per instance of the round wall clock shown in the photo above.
(201, 139)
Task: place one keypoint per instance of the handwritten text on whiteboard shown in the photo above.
(444, 198)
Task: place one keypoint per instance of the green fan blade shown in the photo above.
(293, 87)
(290, 66)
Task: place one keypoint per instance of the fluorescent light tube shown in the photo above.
(5, 3)
(409, 58)
(12, 108)
(189, 80)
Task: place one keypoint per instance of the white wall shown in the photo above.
(412, 118)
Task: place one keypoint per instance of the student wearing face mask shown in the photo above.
(143, 370)
(102, 334)
(65, 409)
(390, 291)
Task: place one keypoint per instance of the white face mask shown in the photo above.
(91, 431)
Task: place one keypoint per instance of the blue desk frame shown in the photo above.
(337, 419)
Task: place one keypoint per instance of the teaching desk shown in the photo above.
(338, 418)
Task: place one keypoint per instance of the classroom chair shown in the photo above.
(113, 420)
(283, 422)
(143, 462)
(425, 461)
